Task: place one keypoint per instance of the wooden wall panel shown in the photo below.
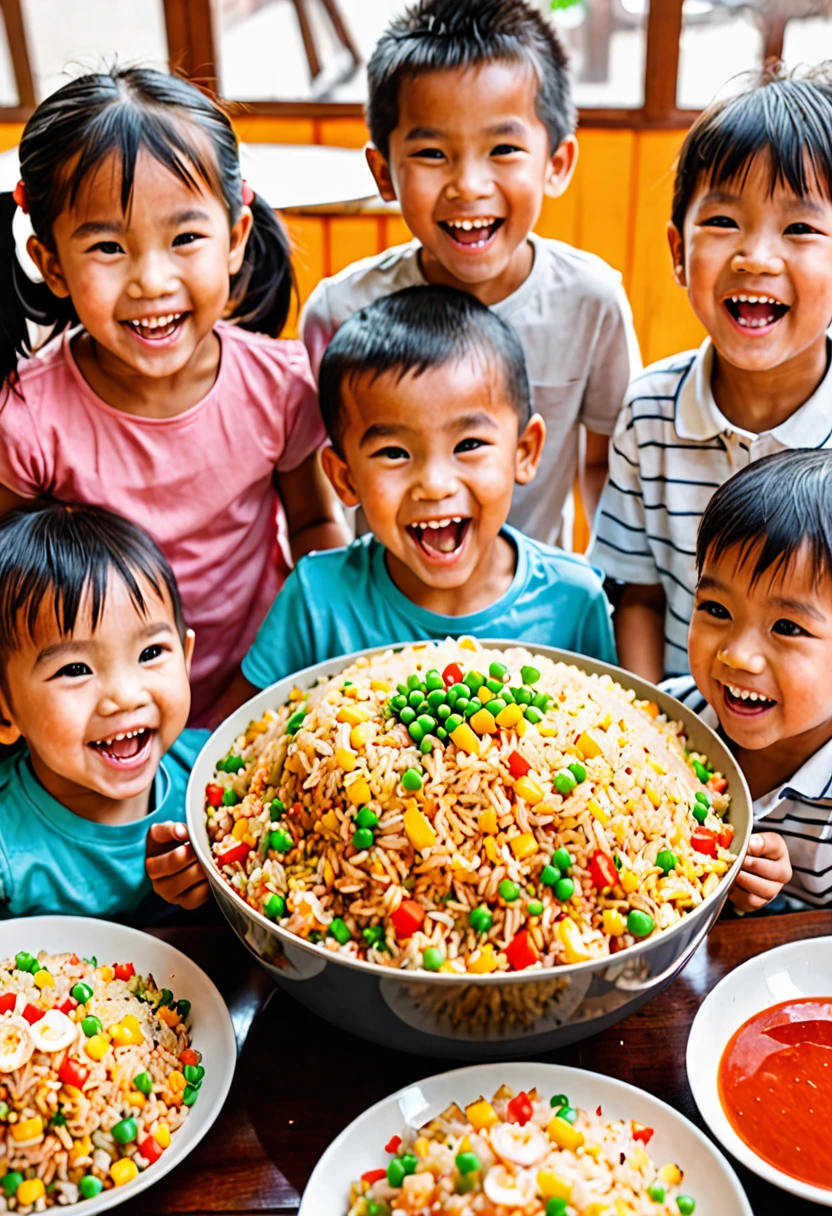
(351, 238)
(252, 128)
(342, 132)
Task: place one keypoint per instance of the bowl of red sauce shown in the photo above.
(759, 1062)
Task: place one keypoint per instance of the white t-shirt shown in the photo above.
(671, 450)
(576, 328)
(800, 810)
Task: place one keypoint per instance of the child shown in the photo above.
(751, 239)
(94, 661)
(199, 430)
(472, 125)
(760, 654)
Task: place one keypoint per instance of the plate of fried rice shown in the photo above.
(116, 1055)
(469, 809)
(540, 1139)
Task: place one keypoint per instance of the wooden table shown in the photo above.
(299, 1081)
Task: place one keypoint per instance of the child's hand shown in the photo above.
(765, 870)
(172, 866)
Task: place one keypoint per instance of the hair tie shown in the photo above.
(248, 194)
(21, 196)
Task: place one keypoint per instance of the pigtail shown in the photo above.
(262, 291)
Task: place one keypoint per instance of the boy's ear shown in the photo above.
(338, 472)
(190, 642)
(677, 253)
(47, 263)
(529, 450)
(239, 239)
(9, 733)
(381, 172)
(561, 167)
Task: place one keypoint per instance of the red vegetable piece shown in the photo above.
(642, 1133)
(372, 1176)
(124, 970)
(68, 1005)
(726, 836)
(214, 794)
(452, 674)
(521, 951)
(393, 1144)
(704, 841)
(189, 1056)
(72, 1072)
(517, 766)
(237, 850)
(32, 1014)
(598, 1111)
(150, 1149)
(718, 784)
(74, 959)
(408, 917)
(602, 869)
(7, 1002)
(519, 1109)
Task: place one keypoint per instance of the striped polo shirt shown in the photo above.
(800, 810)
(671, 450)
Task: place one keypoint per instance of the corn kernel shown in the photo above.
(465, 739)
(622, 1208)
(28, 1129)
(509, 716)
(123, 1171)
(606, 721)
(528, 790)
(240, 829)
(570, 938)
(82, 1147)
(329, 874)
(563, 1134)
(295, 695)
(467, 643)
(487, 821)
(485, 962)
(481, 1114)
(552, 1186)
(638, 1158)
(97, 1046)
(588, 747)
(29, 1191)
(523, 846)
(176, 1081)
(360, 735)
(352, 714)
(135, 1098)
(162, 1135)
(379, 686)
(43, 979)
(598, 812)
(620, 830)
(613, 922)
(346, 759)
(522, 728)
(421, 1147)
(630, 881)
(418, 829)
(330, 821)
(547, 732)
(651, 708)
(651, 794)
(358, 792)
(671, 1174)
(107, 973)
(483, 722)
(656, 766)
(491, 850)
(597, 1209)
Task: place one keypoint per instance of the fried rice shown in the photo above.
(389, 815)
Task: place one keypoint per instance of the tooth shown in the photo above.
(742, 299)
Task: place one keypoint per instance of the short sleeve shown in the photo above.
(285, 642)
(303, 426)
(23, 467)
(616, 361)
(317, 327)
(597, 638)
(620, 545)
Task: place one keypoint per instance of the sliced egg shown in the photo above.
(54, 1031)
(16, 1043)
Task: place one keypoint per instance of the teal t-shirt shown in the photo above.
(343, 600)
(52, 861)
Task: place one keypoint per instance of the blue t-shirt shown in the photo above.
(53, 861)
(343, 600)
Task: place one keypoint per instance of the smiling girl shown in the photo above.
(163, 394)
(751, 240)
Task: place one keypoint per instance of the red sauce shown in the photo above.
(775, 1086)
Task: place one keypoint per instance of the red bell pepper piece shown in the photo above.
(72, 1072)
(519, 1109)
(74, 959)
(642, 1133)
(521, 951)
(393, 1144)
(517, 766)
(7, 1002)
(68, 1005)
(124, 970)
(372, 1176)
(726, 836)
(32, 1014)
(408, 917)
(452, 674)
(704, 841)
(214, 794)
(151, 1149)
(602, 869)
(238, 850)
(718, 784)
(189, 1056)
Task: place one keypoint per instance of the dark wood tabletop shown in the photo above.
(299, 1081)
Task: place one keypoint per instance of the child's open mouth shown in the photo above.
(129, 749)
(744, 701)
(440, 538)
(156, 329)
(755, 312)
(474, 233)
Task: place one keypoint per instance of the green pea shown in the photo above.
(567, 1113)
(363, 839)
(458, 690)
(143, 1082)
(529, 675)
(656, 1192)
(396, 1173)
(432, 959)
(193, 1074)
(366, 818)
(81, 993)
(281, 841)
(474, 680)
(13, 1179)
(565, 888)
(534, 907)
(564, 782)
(466, 1163)
(412, 779)
(415, 698)
(410, 1162)
(398, 703)
(495, 686)
(427, 723)
(563, 859)
(125, 1131)
(507, 694)
(700, 813)
(165, 998)
(496, 706)
(275, 907)
(433, 680)
(466, 1183)
(184, 1008)
(436, 698)
(541, 701)
(452, 722)
(403, 689)
(408, 715)
(378, 1207)
(26, 962)
(441, 733)
(701, 772)
(556, 1206)
(686, 1204)
(190, 1095)
(413, 681)
(702, 797)
(532, 715)
(480, 919)
(498, 671)
(373, 935)
(88, 1187)
(277, 808)
(339, 931)
(549, 875)
(667, 860)
(462, 704)
(91, 1025)
(509, 890)
(443, 712)
(416, 733)
(639, 923)
(295, 722)
(471, 708)
(578, 771)
(559, 1100)
(230, 797)
(426, 746)
(233, 764)
(523, 696)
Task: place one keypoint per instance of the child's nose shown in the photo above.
(153, 278)
(758, 257)
(471, 179)
(434, 482)
(124, 691)
(742, 655)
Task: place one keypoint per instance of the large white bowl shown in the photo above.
(210, 1021)
(708, 1176)
(799, 969)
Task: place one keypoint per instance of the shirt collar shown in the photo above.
(813, 781)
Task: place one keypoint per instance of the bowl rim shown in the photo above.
(195, 797)
(703, 1082)
(500, 1068)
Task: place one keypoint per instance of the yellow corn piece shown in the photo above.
(465, 739)
(255, 729)
(29, 1191)
(651, 794)
(82, 1147)
(483, 722)
(570, 938)
(613, 922)
(350, 691)
(379, 686)
(487, 821)
(123, 1171)
(597, 1209)
(523, 846)
(481, 1114)
(351, 714)
(329, 873)
(240, 829)
(522, 728)
(176, 1081)
(606, 721)
(588, 747)
(491, 850)
(675, 834)
(656, 766)
(598, 812)
(28, 1129)
(465, 1145)
(421, 1147)
(361, 734)
(44, 980)
(563, 1134)
(97, 1046)
(330, 821)
(467, 643)
(671, 1174)
(509, 716)
(552, 1186)
(120, 1035)
(639, 1158)
(345, 758)
(162, 1135)
(358, 792)
(622, 1208)
(718, 867)
(296, 694)
(486, 961)
(547, 732)
(619, 831)
(107, 974)
(131, 1023)
(169, 1016)
(630, 881)
(135, 1098)
(418, 829)
(528, 790)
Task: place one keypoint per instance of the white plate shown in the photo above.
(210, 1021)
(787, 973)
(708, 1176)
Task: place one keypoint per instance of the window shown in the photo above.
(721, 40)
(606, 40)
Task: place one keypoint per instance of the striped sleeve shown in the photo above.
(620, 546)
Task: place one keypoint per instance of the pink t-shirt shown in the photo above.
(200, 483)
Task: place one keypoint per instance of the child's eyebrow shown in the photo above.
(509, 127)
(96, 228)
(799, 606)
(59, 648)
(465, 422)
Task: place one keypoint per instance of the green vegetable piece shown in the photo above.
(700, 813)
(509, 890)
(91, 1025)
(363, 839)
(427, 723)
(578, 771)
(339, 931)
(564, 888)
(190, 1095)
(275, 907)
(314, 937)
(452, 722)
(523, 696)
(373, 935)
(412, 779)
(233, 764)
(277, 808)
(471, 708)
(415, 699)
(466, 1163)
(480, 919)
(426, 746)
(410, 1162)
(184, 1008)
(556, 1207)
(701, 772)
(165, 998)
(534, 907)
(413, 681)
(125, 1131)
(563, 859)
(378, 1207)
(366, 818)
(436, 698)
(656, 1192)
(559, 1100)
(434, 681)
(466, 1183)
(461, 704)
(702, 797)
(295, 722)
(495, 686)
(230, 797)
(497, 706)
(529, 675)
(13, 1179)
(617, 862)
(281, 841)
(474, 680)
(667, 860)
(143, 1082)
(498, 671)
(686, 1204)
(441, 733)
(507, 694)
(564, 782)
(408, 715)
(443, 712)
(89, 1186)
(82, 992)
(4, 1110)
(396, 1173)
(416, 733)
(26, 962)
(541, 701)
(403, 689)
(432, 959)
(639, 923)
(532, 715)
(458, 690)
(568, 1113)
(549, 875)
(397, 703)
(58, 1119)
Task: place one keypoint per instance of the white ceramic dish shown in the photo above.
(799, 969)
(210, 1021)
(708, 1176)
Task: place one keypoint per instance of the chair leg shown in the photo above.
(341, 30)
(308, 39)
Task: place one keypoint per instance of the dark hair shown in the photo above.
(770, 510)
(787, 117)
(56, 550)
(439, 35)
(119, 112)
(413, 330)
